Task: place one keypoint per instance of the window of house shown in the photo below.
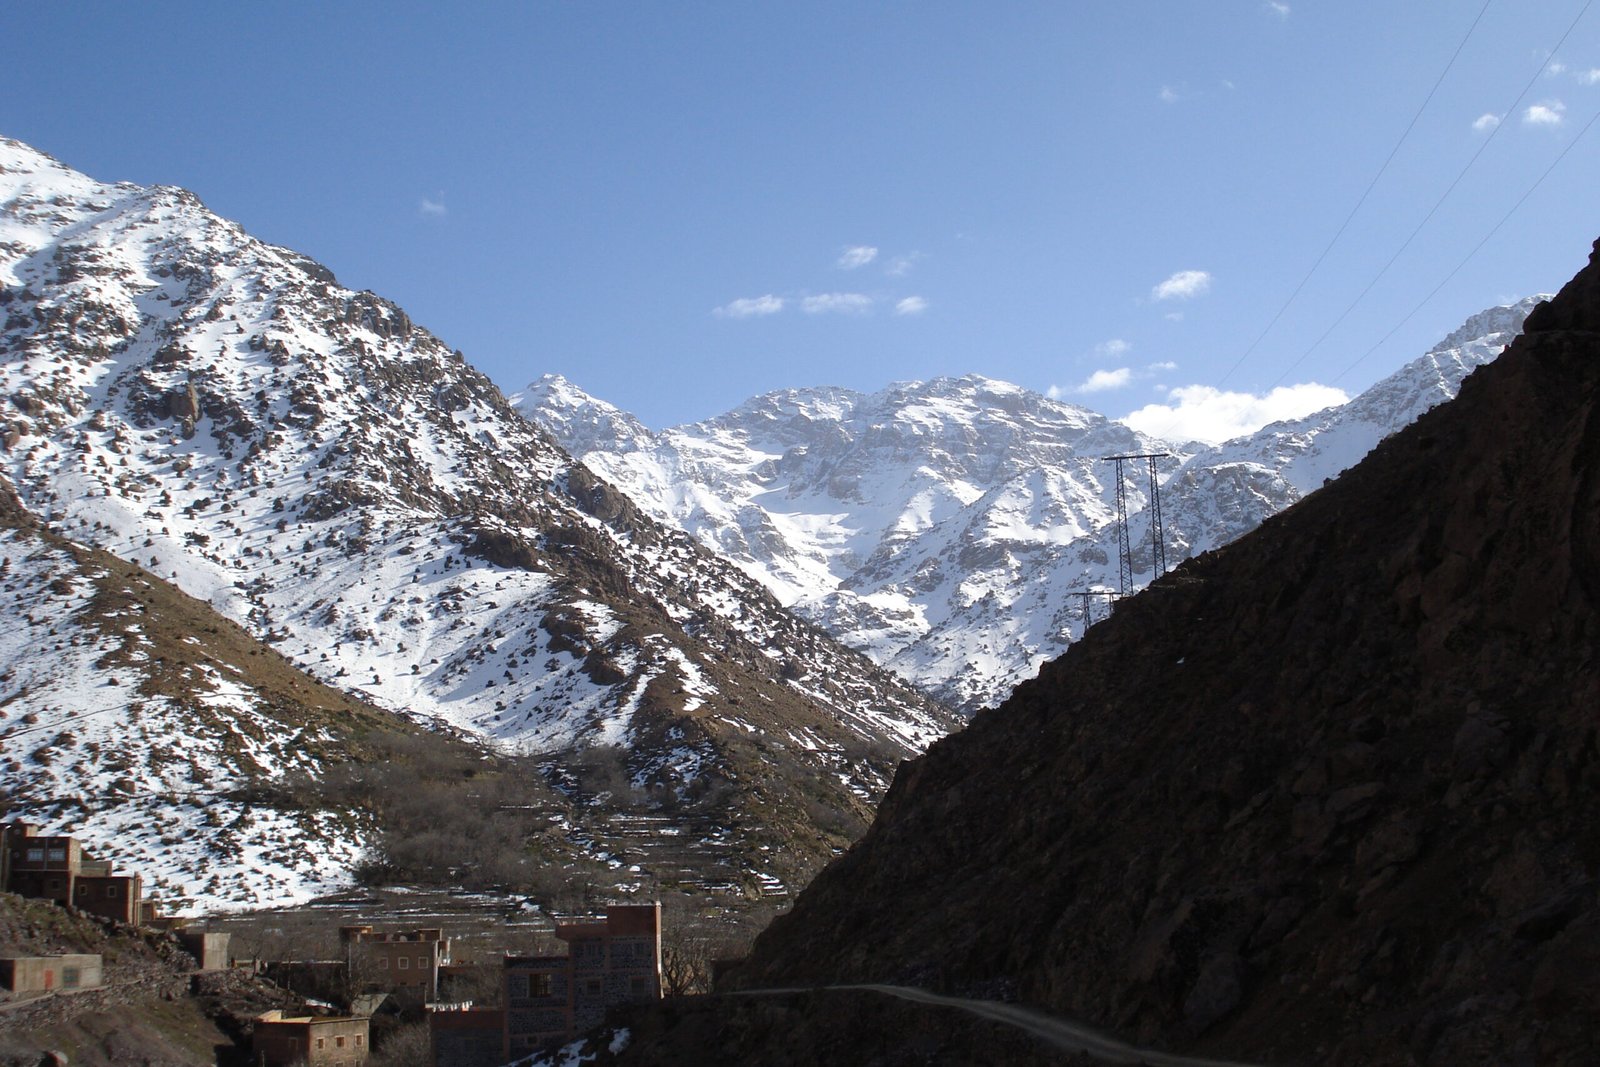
(82, 888)
(422, 963)
(69, 977)
(405, 962)
(321, 1042)
(111, 891)
(338, 1042)
(58, 854)
(539, 985)
(383, 963)
(36, 855)
(359, 1039)
(55, 885)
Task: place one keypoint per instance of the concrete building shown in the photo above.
(281, 1040)
(405, 963)
(27, 974)
(610, 960)
(209, 948)
(57, 868)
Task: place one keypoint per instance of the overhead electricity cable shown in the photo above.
(1343, 226)
(1475, 248)
(1437, 203)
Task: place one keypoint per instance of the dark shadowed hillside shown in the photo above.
(1327, 795)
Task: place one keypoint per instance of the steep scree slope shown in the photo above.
(1327, 795)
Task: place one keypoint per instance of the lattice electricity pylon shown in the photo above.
(1088, 618)
(1158, 534)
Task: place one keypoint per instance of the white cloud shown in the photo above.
(432, 208)
(842, 303)
(857, 256)
(1164, 367)
(1205, 413)
(1589, 77)
(1556, 69)
(911, 305)
(1548, 113)
(900, 266)
(750, 307)
(1168, 95)
(1276, 7)
(1113, 348)
(1485, 122)
(1102, 380)
(1183, 285)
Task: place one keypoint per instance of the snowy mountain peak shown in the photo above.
(943, 526)
(1504, 321)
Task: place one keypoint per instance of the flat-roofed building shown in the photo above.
(280, 1040)
(27, 974)
(611, 960)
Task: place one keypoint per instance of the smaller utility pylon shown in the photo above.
(1087, 595)
(1158, 533)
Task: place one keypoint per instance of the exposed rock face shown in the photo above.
(1325, 795)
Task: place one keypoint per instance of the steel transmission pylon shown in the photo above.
(1158, 533)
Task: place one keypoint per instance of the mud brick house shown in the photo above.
(280, 1040)
(610, 960)
(25, 974)
(57, 868)
(405, 963)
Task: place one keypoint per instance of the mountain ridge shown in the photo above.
(944, 527)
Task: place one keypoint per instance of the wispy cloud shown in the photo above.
(1588, 77)
(1113, 348)
(911, 305)
(836, 303)
(1166, 366)
(1183, 285)
(900, 266)
(1276, 7)
(750, 307)
(1485, 122)
(1168, 95)
(856, 256)
(1205, 413)
(1555, 68)
(432, 207)
(1548, 113)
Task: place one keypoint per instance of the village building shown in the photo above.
(461, 1035)
(281, 1040)
(405, 963)
(611, 960)
(57, 868)
(29, 974)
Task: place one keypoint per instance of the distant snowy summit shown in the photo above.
(942, 527)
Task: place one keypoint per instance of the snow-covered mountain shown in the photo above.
(335, 479)
(944, 527)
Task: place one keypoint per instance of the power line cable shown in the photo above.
(1475, 248)
(1439, 202)
(1345, 225)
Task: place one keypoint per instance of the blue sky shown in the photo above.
(681, 205)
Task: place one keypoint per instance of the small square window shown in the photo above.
(111, 891)
(405, 963)
(338, 1042)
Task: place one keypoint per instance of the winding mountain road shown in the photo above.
(1060, 1033)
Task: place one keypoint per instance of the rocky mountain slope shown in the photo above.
(333, 478)
(942, 527)
(1326, 795)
